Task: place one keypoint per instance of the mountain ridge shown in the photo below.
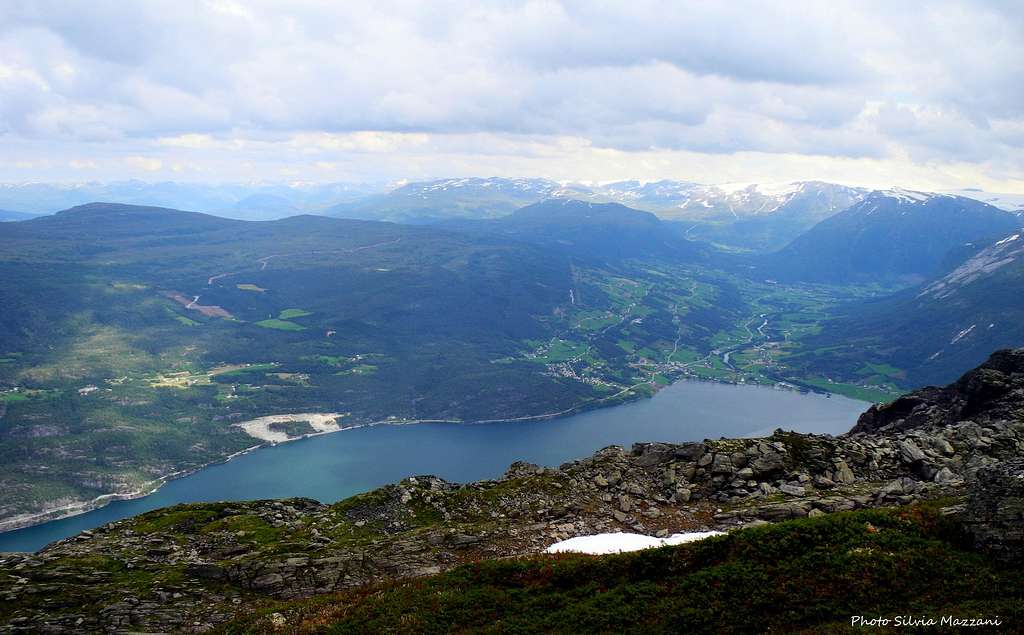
(890, 235)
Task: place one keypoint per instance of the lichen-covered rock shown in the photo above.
(995, 510)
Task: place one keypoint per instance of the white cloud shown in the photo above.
(392, 89)
(144, 163)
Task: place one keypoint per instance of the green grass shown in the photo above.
(713, 373)
(595, 320)
(29, 394)
(329, 360)
(288, 314)
(280, 325)
(163, 520)
(360, 369)
(561, 351)
(186, 321)
(885, 370)
(250, 368)
(249, 287)
(853, 391)
(127, 286)
(806, 576)
(248, 528)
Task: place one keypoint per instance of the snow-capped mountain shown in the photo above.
(684, 200)
(758, 216)
(755, 216)
(765, 217)
(653, 196)
(515, 187)
(892, 235)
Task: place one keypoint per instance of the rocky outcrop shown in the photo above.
(993, 391)
(994, 516)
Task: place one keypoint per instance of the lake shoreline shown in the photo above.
(75, 509)
(627, 396)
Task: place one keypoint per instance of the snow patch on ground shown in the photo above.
(600, 544)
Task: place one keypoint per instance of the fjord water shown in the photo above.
(331, 467)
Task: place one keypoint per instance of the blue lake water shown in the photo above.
(335, 466)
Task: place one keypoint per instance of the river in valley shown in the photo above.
(335, 466)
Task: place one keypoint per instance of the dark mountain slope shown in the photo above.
(889, 236)
(319, 263)
(601, 231)
(106, 221)
(933, 332)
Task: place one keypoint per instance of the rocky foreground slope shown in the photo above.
(190, 567)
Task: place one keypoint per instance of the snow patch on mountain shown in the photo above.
(1008, 239)
(962, 334)
(986, 261)
(907, 196)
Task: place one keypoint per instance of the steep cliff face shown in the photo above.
(992, 392)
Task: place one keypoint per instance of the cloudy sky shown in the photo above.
(927, 95)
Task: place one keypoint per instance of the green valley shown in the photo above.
(140, 336)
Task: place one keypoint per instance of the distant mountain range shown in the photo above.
(431, 201)
(745, 216)
(749, 216)
(8, 215)
(243, 201)
(1009, 202)
(892, 235)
